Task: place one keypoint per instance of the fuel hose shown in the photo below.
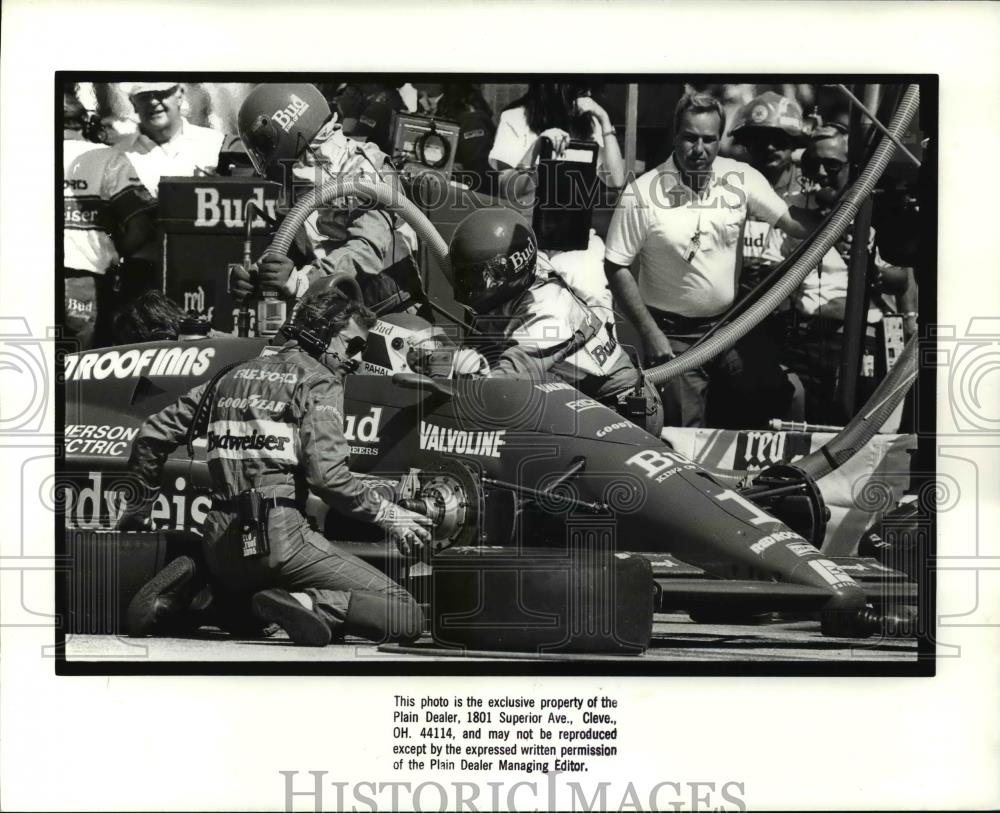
(866, 423)
(369, 190)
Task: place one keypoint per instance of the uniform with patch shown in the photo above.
(275, 424)
(101, 193)
(372, 244)
(542, 320)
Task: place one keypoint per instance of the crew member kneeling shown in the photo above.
(275, 430)
(539, 324)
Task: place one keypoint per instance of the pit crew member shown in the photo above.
(537, 324)
(290, 129)
(275, 429)
(768, 129)
(108, 216)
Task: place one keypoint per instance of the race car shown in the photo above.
(498, 464)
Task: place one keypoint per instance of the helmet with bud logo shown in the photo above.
(277, 122)
(493, 255)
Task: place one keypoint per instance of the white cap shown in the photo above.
(134, 88)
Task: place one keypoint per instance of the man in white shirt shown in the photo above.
(815, 349)
(682, 221)
(165, 143)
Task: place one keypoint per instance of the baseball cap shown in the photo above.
(135, 88)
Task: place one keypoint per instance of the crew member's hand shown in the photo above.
(135, 517)
(559, 139)
(843, 245)
(469, 362)
(846, 241)
(408, 529)
(657, 349)
(241, 284)
(893, 279)
(275, 271)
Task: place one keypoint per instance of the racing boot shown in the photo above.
(303, 624)
(164, 597)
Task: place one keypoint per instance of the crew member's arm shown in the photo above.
(763, 203)
(625, 238)
(626, 292)
(799, 222)
(359, 241)
(158, 437)
(318, 407)
(133, 209)
(356, 242)
(907, 304)
(523, 362)
(540, 340)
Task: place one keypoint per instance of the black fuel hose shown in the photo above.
(839, 219)
(866, 423)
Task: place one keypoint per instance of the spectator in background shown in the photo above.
(559, 112)
(824, 292)
(820, 300)
(463, 103)
(107, 216)
(682, 221)
(374, 121)
(766, 131)
(165, 144)
(348, 100)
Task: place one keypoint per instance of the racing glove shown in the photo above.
(469, 363)
(271, 271)
(241, 283)
(136, 516)
(408, 529)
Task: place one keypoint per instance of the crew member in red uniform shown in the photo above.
(275, 427)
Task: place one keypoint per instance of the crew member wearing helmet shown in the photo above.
(293, 137)
(108, 216)
(275, 428)
(543, 327)
(767, 130)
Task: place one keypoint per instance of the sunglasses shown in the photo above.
(759, 140)
(155, 95)
(831, 166)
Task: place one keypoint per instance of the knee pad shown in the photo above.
(381, 617)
